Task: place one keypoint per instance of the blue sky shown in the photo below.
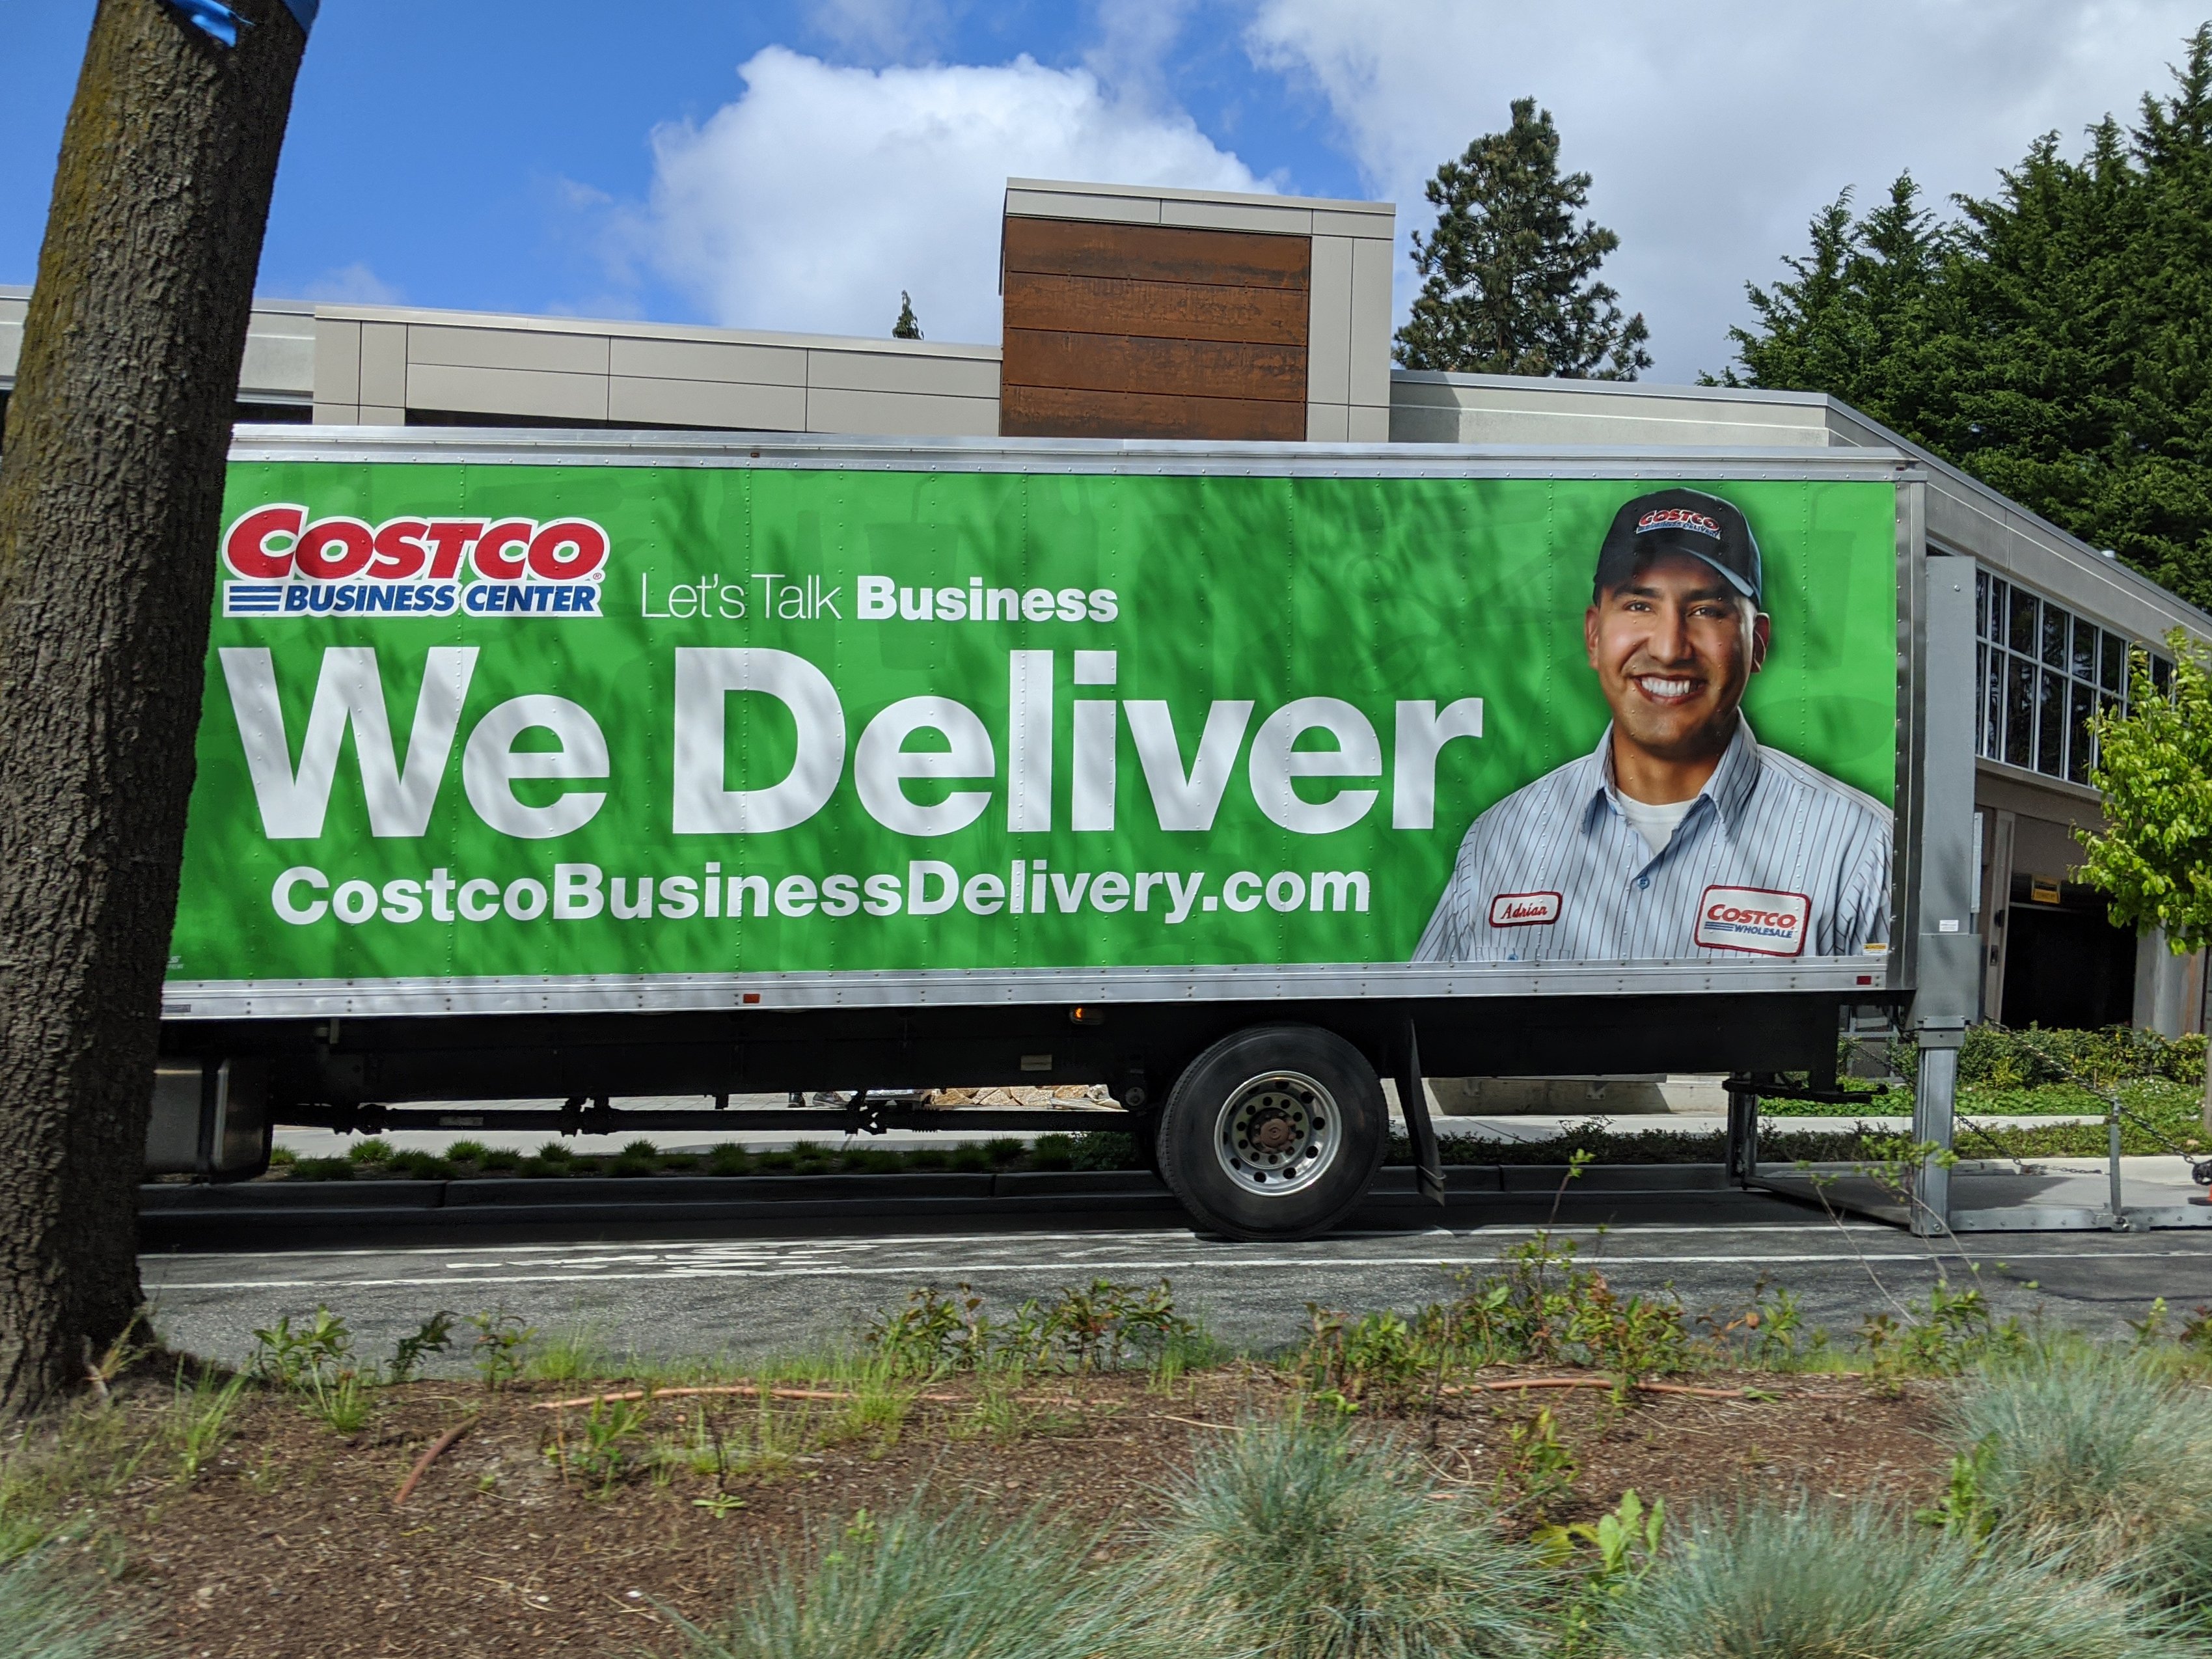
(795, 164)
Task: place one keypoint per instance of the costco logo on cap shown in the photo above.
(1753, 919)
(1678, 518)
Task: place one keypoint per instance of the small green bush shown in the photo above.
(2095, 1455)
(729, 1159)
(374, 1150)
(420, 1166)
(1293, 1539)
(1006, 1149)
(1107, 1149)
(971, 1159)
(1052, 1151)
(628, 1164)
(639, 1148)
(911, 1586)
(322, 1169)
(2102, 1059)
(501, 1160)
(927, 1157)
(282, 1157)
(1819, 1580)
(555, 1151)
(870, 1160)
(467, 1151)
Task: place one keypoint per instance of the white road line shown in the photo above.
(1155, 1265)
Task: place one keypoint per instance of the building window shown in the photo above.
(2043, 672)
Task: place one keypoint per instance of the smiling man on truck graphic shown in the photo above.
(1680, 835)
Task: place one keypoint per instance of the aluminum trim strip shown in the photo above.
(1171, 458)
(207, 999)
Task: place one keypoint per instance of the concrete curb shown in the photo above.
(180, 1214)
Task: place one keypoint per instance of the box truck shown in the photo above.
(1233, 777)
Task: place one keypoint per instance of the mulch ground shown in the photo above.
(291, 1544)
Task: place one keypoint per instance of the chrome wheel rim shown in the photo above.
(1278, 1133)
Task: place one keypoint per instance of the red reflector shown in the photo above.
(1864, 979)
(754, 996)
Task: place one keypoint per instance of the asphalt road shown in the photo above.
(745, 1297)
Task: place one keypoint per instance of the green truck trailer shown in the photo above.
(1235, 778)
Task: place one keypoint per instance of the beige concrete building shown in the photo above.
(1144, 312)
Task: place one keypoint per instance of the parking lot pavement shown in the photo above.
(749, 1296)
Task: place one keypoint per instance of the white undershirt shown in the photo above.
(1656, 824)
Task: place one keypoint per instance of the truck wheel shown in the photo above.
(1274, 1133)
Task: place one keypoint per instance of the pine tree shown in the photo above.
(2056, 342)
(906, 328)
(1855, 316)
(1510, 280)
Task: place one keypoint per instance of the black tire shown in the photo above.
(1321, 1130)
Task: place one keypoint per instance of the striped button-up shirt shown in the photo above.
(1774, 859)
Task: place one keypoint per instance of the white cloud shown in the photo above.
(818, 195)
(880, 30)
(1714, 131)
(352, 285)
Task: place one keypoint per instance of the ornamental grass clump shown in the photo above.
(49, 1613)
(1818, 1580)
(2100, 1455)
(914, 1585)
(1300, 1541)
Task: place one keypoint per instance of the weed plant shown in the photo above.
(47, 1612)
(1807, 1579)
(371, 1150)
(2097, 1455)
(1294, 1539)
(913, 1585)
(1100, 1327)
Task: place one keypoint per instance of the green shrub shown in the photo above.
(927, 1157)
(2094, 1454)
(971, 1159)
(555, 1151)
(501, 1160)
(374, 1150)
(467, 1151)
(775, 1163)
(911, 1586)
(281, 1157)
(2118, 1053)
(322, 1169)
(870, 1160)
(420, 1166)
(1106, 1149)
(48, 1613)
(628, 1164)
(1818, 1580)
(729, 1159)
(639, 1148)
(1006, 1149)
(1052, 1151)
(1294, 1541)
(678, 1163)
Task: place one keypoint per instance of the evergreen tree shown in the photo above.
(2056, 342)
(1855, 316)
(906, 328)
(1510, 280)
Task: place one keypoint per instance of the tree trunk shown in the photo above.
(110, 487)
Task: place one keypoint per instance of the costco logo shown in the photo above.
(290, 565)
(1678, 518)
(1524, 910)
(1766, 924)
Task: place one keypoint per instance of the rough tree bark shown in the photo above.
(110, 487)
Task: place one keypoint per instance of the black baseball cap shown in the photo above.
(1687, 521)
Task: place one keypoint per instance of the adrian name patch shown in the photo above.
(1766, 924)
(1524, 910)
